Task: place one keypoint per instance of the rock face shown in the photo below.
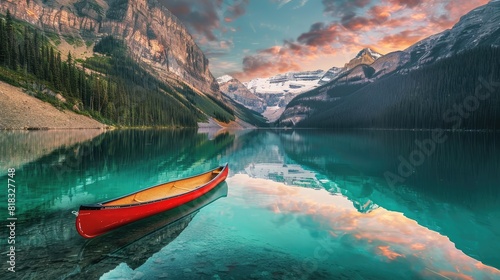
(365, 56)
(239, 93)
(152, 33)
(389, 63)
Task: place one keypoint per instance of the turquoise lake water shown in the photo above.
(298, 204)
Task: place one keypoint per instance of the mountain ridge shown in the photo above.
(238, 92)
(113, 86)
(365, 56)
(154, 35)
(478, 29)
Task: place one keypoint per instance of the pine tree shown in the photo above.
(11, 43)
(3, 43)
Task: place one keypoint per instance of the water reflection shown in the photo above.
(404, 247)
(454, 192)
(52, 242)
(20, 147)
(115, 163)
(290, 192)
(118, 163)
(134, 244)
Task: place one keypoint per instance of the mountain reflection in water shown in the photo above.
(300, 204)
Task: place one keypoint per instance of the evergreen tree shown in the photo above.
(3, 43)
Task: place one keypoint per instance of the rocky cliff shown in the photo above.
(365, 56)
(153, 34)
(239, 93)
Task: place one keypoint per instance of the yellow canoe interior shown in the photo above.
(167, 190)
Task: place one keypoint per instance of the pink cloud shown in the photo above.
(385, 233)
(388, 253)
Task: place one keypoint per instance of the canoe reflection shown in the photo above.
(135, 243)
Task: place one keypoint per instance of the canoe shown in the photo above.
(95, 219)
(135, 243)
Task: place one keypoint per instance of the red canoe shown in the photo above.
(97, 219)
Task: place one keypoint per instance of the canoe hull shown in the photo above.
(94, 220)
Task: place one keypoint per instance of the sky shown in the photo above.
(250, 39)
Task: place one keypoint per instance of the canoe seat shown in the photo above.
(216, 172)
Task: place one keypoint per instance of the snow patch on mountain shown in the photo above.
(292, 82)
(239, 93)
(279, 90)
(330, 75)
(373, 53)
(224, 79)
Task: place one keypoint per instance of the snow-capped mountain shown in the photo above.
(292, 82)
(270, 96)
(239, 93)
(359, 97)
(480, 27)
(366, 56)
(330, 75)
(279, 90)
(224, 79)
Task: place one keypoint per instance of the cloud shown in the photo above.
(321, 40)
(350, 25)
(458, 8)
(382, 235)
(301, 4)
(319, 34)
(408, 3)
(404, 38)
(271, 61)
(218, 48)
(380, 14)
(387, 25)
(281, 3)
(339, 8)
(222, 66)
(267, 62)
(201, 17)
(205, 18)
(237, 9)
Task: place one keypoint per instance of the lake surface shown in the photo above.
(300, 204)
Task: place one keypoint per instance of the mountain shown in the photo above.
(365, 56)
(423, 86)
(480, 27)
(278, 90)
(151, 32)
(330, 75)
(235, 90)
(389, 63)
(125, 63)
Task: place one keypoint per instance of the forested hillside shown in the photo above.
(111, 86)
(460, 92)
